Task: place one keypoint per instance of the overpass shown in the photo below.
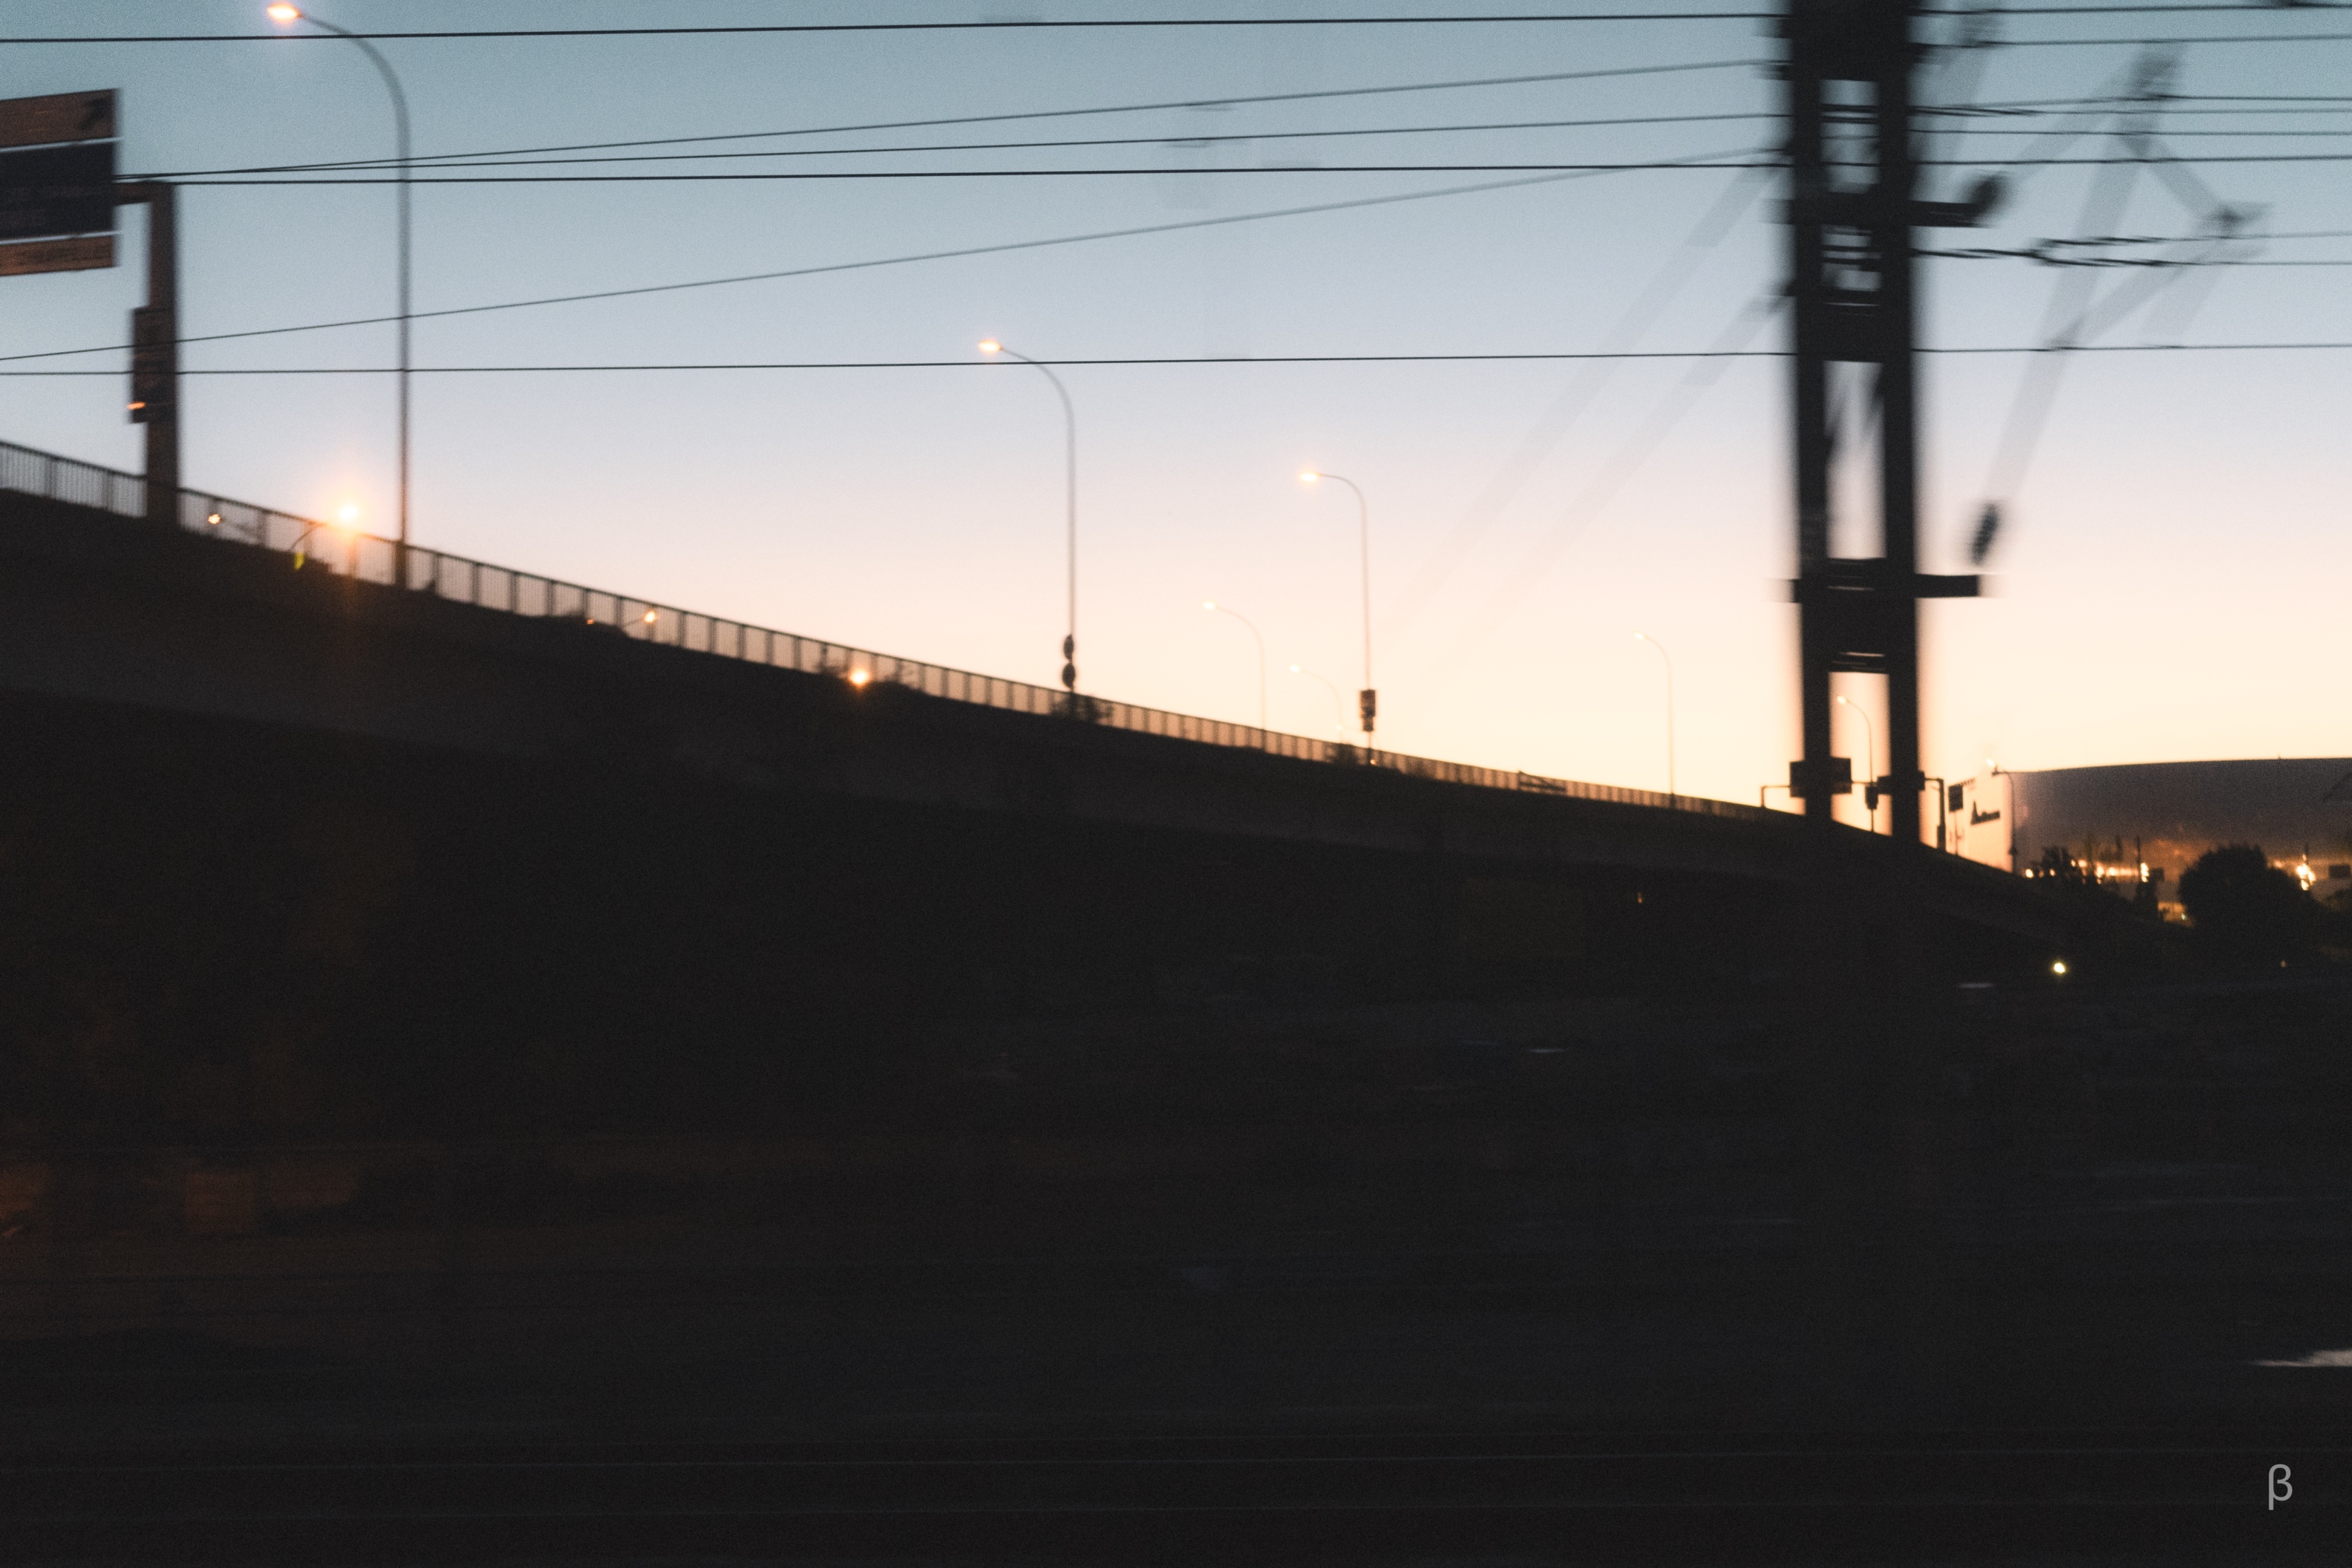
(248, 614)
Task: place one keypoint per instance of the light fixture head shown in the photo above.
(283, 13)
(1308, 476)
(348, 514)
(991, 346)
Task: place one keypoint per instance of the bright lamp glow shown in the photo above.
(858, 678)
(1208, 603)
(2058, 966)
(347, 514)
(991, 346)
(285, 12)
(1309, 477)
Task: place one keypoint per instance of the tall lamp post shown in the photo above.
(1869, 759)
(1070, 474)
(1671, 794)
(1367, 699)
(1338, 726)
(1228, 610)
(287, 16)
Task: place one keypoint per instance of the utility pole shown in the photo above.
(1852, 209)
(155, 349)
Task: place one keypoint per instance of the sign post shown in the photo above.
(58, 197)
(155, 350)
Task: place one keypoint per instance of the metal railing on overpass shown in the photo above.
(327, 547)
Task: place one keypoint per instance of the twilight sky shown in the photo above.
(2166, 586)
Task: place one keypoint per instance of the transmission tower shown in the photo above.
(1852, 210)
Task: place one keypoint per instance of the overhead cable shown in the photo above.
(1001, 25)
(958, 253)
(1457, 85)
(1973, 349)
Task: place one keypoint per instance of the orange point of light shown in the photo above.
(1309, 476)
(650, 616)
(285, 13)
(991, 346)
(858, 678)
(347, 514)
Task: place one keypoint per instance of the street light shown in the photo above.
(287, 16)
(1645, 637)
(1367, 700)
(1338, 724)
(1070, 426)
(1869, 759)
(1224, 610)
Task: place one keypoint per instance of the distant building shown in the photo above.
(2150, 821)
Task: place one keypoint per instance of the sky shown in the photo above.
(2166, 584)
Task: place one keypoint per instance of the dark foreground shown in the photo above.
(1557, 1283)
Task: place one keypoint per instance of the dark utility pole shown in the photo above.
(1852, 211)
(155, 350)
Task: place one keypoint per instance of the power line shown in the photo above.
(2180, 43)
(1134, 360)
(1003, 247)
(756, 174)
(492, 161)
(739, 29)
(533, 157)
(1239, 137)
(1115, 23)
(1458, 85)
(837, 174)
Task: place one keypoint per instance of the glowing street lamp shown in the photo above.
(1070, 427)
(1367, 700)
(285, 16)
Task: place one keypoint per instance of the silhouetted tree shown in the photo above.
(2246, 910)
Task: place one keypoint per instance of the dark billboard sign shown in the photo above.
(49, 190)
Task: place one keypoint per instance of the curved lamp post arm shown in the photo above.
(1364, 536)
(1225, 610)
(288, 13)
(1338, 709)
(1070, 489)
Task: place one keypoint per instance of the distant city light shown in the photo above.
(2058, 966)
(213, 517)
